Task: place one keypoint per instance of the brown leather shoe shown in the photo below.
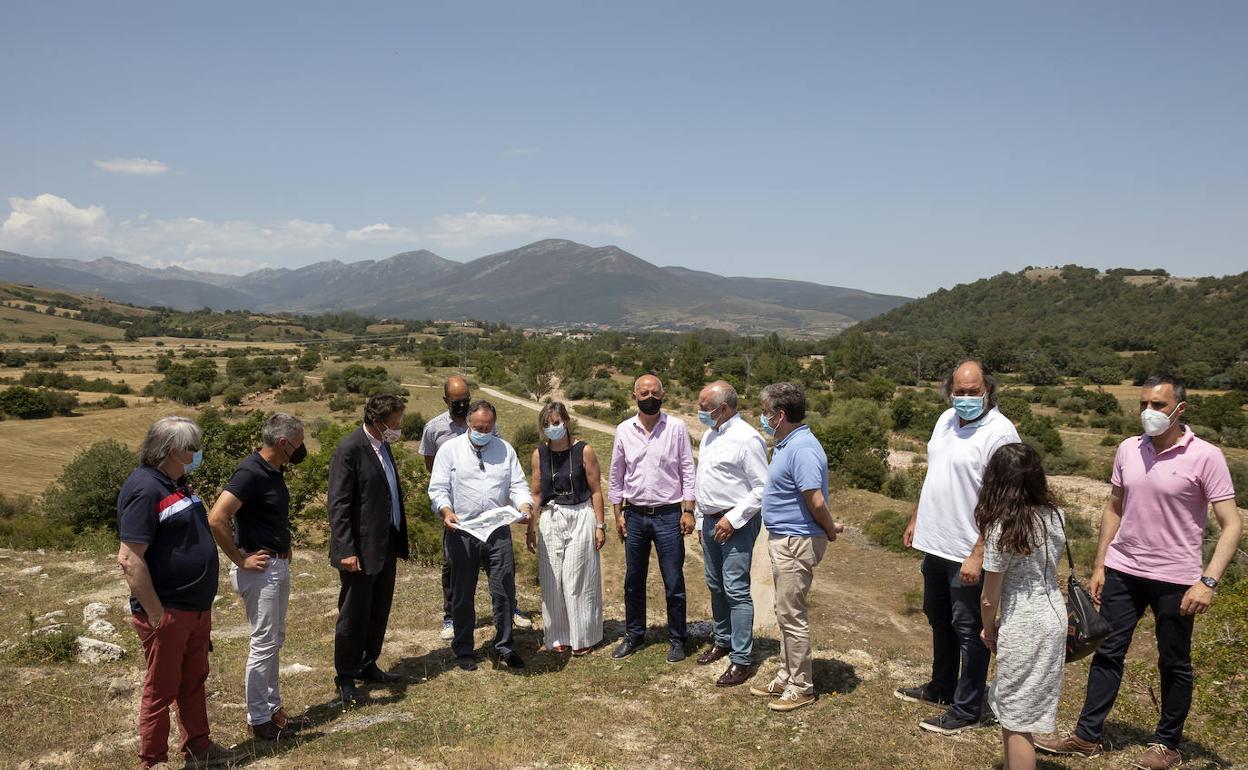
(1067, 744)
(286, 722)
(1158, 756)
(712, 655)
(791, 700)
(268, 731)
(735, 675)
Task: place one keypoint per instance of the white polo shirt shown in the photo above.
(956, 458)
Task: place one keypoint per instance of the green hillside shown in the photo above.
(1075, 321)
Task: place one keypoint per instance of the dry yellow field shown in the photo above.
(15, 323)
(33, 452)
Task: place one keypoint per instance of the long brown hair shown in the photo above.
(1015, 495)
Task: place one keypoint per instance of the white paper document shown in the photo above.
(483, 524)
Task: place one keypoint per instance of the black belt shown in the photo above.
(652, 510)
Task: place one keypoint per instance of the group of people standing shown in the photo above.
(985, 521)
(992, 535)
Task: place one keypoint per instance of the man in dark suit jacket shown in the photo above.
(367, 534)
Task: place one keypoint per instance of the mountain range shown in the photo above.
(547, 283)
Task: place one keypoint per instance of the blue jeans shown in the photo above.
(959, 657)
(663, 530)
(728, 579)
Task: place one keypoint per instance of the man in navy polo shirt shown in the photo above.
(799, 527)
(257, 500)
(170, 563)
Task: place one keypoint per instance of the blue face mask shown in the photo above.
(195, 461)
(969, 407)
(555, 432)
(480, 439)
(768, 428)
(707, 418)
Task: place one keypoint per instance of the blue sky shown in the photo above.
(896, 147)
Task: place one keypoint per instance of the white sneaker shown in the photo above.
(520, 620)
(448, 631)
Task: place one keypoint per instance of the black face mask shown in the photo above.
(650, 405)
(297, 456)
(459, 409)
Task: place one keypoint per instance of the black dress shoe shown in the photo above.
(466, 663)
(351, 697)
(511, 660)
(735, 675)
(676, 653)
(375, 674)
(710, 656)
(626, 648)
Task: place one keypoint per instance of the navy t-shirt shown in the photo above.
(263, 520)
(181, 555)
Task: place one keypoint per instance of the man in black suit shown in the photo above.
(367, 534)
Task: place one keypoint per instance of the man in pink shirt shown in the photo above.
(651, 489)
(1150, 557)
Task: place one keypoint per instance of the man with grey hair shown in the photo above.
(943, 528)
(732, 470)
(170, 564)
(257, 501)
(799, 528)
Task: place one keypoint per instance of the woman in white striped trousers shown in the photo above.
(566, 533)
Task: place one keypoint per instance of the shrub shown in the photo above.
(24, 403)
(525, 439)
(84, 496)
(111, 401)
(413, 426)
(1065, 462)
(906, 484)
(342, 403)
(1239, 477)
(864, 470)
(887, 529)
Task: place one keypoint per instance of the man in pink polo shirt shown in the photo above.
(651, 488)
(1150, 557)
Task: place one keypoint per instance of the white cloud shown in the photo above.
(132, 166)
(51, 226)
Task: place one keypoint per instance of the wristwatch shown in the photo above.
(601, 525)
(1209, 581)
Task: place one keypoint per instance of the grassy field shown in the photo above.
(869, 631)
(16, 323)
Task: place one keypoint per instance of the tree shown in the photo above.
(24, 403)
(690, 363)
(84, 496)
(537, 369)
(309, 360)
(413, 426)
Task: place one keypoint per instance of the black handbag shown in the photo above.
(1086, 629)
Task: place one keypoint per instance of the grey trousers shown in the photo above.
(266, 596)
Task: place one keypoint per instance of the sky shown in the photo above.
(897, 147)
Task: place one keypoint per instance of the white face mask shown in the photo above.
(390, 435)
(1156, 423)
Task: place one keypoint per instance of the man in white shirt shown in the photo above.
(732, 470)
(943, 528)
(474, 473)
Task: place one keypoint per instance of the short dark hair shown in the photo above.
(1180, 388)
(480, 404)
(785, 397)
(990, 382)
(380, 407)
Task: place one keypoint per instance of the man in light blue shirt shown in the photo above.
(799, 527)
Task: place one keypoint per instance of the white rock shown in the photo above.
(94, 611)
(49, 629)
(35, 570)
(296, 668)
(94, 651)
(101, 627)
(50, 616)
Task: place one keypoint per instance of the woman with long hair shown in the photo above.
(1023, 535)
(566, 532)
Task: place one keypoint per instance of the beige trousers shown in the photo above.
(793, 561)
